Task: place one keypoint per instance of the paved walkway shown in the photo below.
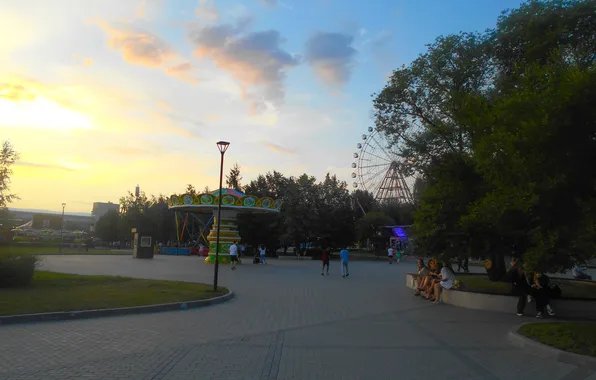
(287, 322)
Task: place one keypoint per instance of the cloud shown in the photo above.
(183, 71)
(44, 166)
(137, 46)
(278, 148)
(142, 48)
(332, 57)
(207, 10)
(255, 60)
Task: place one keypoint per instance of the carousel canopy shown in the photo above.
(231, 199)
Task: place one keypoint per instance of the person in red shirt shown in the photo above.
(325, 260)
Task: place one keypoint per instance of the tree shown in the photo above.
(233, 179)
(369, 227)
(365, 201)
(501, 127)
(335, 214)
(418, 107)
(190, 189)
(267, 229)
(8, 156)
(109, 227)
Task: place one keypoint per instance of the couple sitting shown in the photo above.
(431, 281)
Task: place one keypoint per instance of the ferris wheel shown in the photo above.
(377, 169)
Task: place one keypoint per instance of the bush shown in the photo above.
(16, 271)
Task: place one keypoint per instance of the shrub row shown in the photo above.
(17, 270)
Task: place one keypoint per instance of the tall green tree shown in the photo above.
(8, 157)
(418, 107)
(233, 179)
(335, 226)
(365, 202)
(501, 127)
(368, 228)
(109, 227)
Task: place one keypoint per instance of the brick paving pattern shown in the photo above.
(287, 322)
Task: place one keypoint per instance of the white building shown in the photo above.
(102, 208)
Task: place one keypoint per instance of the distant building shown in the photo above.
(47, 219)
(102, 208)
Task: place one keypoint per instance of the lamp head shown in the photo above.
(63, 205)
(222, 146)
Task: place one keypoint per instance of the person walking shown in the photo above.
(343, 254)
(234, 255)
(390, 254)
(397, 255)
(325, 259)
(262, 254)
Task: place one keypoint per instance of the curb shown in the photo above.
(550, 352)
(71, 315)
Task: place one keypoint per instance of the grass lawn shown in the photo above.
(68, 292)
(481, 283)
(579, 338)
(32, 250)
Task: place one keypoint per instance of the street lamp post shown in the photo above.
(222, 146)
(62, 227)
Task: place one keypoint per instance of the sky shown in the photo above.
(98, 96)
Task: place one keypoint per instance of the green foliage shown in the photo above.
(500, 125)
(16, 271)
(52, 292)
(365, 202)
(579, 338)
(320, 213)
(8, 156)
(368, 227)
(233, 179)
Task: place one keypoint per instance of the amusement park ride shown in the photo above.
(378, 169)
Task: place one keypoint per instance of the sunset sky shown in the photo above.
(101, 95)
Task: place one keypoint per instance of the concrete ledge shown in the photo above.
(70, 315)
(565, 308)
(549, 352)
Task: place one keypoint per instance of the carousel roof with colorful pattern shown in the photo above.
(235, 193)
(231, 199)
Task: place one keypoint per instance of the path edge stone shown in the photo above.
(550, 352)
(82, 314)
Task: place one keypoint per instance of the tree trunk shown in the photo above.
(495, 265)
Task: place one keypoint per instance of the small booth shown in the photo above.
(142, 246)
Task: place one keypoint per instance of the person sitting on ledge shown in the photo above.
(427, 284)
(423, 273)
(446, 280)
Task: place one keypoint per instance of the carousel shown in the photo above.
(233, 202)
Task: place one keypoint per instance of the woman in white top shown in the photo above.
(390, 255)
(446, 280)
(262, 252)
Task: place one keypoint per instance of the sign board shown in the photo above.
(146, 241)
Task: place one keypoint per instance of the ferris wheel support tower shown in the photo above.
(378, 169)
